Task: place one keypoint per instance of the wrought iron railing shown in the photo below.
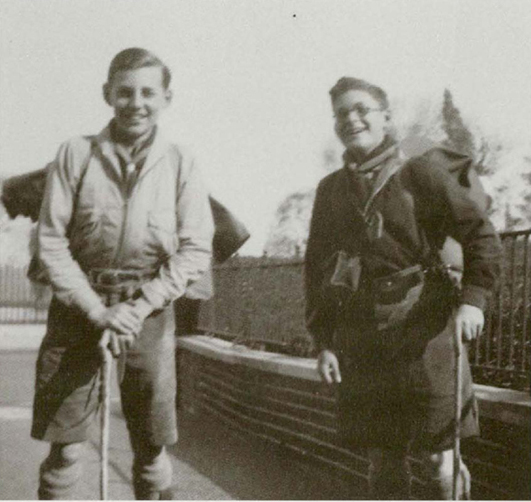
(260, 302)
(503, 352)
(20, 300)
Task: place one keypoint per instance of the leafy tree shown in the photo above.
(419, 119)
(458, 135)
(289, 233)
(419, 123)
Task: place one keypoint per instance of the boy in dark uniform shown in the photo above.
(389, 343)
(124, 227)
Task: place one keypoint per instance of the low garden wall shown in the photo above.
(261, 301)
(281, 399)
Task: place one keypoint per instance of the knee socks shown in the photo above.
(59, 476)
(151, 474)
(442, 488)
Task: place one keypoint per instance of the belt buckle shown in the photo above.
(114, 277)
(127, 276)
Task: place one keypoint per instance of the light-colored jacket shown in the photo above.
(88, 220)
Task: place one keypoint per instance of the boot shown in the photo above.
(166, 494)
(442, 488)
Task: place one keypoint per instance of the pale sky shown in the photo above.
(251, 78)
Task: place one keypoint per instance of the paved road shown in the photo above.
(211, 461)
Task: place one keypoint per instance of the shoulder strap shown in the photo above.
(381, 181)
(36, 272)
(83, 173)
(84, 168)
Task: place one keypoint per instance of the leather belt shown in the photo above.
(117, 277)
(117, 285)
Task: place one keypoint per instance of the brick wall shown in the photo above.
(280, 399)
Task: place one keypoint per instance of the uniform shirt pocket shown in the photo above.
(86, 221)
(163, 220)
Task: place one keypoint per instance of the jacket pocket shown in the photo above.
(163, 220)
(397, 295)
(85, 222)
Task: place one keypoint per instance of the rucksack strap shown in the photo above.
(82, 175)
(36, 272)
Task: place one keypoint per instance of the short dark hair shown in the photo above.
(134, 58)
(345, 84)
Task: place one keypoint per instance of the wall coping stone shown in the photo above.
(232, 353)
(506, 405)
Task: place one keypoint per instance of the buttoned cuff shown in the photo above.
(155, 299)
(89, 301)
(95, 313)
(143, 307)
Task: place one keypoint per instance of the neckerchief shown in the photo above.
(131, 159)
(370, 163)
(384, 165)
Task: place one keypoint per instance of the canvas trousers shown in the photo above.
(67, 400)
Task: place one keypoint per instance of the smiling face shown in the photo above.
(361, 124)
(137, 96)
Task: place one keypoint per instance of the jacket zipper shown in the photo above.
(128, 194)
(129, 191)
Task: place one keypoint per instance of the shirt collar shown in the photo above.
(158, 147)
(137, 147)
(137, 154)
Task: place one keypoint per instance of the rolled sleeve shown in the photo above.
(68, 281)
(195, 231)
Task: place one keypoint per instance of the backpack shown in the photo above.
(463, 169)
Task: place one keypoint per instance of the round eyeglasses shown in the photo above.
(360, 109)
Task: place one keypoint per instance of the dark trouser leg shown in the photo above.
(186, 315)
(60, 472)
(389, 475)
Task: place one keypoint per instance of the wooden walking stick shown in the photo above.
(105, 396)
(458, 347)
